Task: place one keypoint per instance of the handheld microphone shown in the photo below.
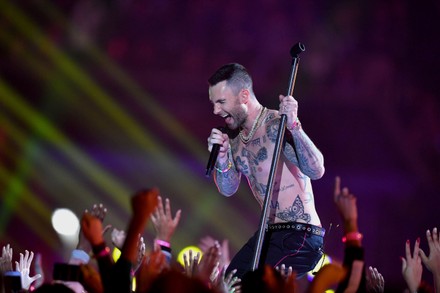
(213, 155)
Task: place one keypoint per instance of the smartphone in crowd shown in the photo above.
(66, 272)
(12, 282)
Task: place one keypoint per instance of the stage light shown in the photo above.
(186, 250)
(65, 222)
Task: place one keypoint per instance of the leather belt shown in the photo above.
(297, 227)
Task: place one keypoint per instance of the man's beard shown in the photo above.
(238, 118)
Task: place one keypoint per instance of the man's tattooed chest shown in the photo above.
(249, 161)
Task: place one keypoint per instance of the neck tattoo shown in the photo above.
(257, 123)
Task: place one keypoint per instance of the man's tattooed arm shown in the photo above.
(311, 160)
(307, 157)
(227, 181)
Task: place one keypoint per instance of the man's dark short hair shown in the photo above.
(236, 77)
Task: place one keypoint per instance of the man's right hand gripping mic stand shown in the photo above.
(294, 52)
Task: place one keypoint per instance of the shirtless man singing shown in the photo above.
(294, 235)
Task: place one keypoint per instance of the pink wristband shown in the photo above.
(163, 243)
(352, 236)
(104, 252)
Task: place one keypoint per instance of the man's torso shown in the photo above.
(292, 197)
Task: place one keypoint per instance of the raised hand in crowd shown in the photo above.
(91, 279)
(190, 263)
(432, 262)
(23, 266)
(412, 266)
(375, 281)
(285, 273)
(143, 204)
(99, 211)
(266, 279)
(289, 275)
(355, 278)
(6, 259)
(207, 241)
(163, 221)
(207, 269)
(346, 205)
(118, 239)
(151, 267)
(140, 255)
(38, 268)
(225, 284)
(92, 229)
(283, 281)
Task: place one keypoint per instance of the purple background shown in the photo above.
(101, 98)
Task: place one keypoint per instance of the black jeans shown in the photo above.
(298, 249)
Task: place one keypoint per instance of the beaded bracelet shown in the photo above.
(225, 170)
(352, 236)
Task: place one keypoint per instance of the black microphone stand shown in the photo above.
(294, 52)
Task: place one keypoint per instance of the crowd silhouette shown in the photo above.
(91, 267)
